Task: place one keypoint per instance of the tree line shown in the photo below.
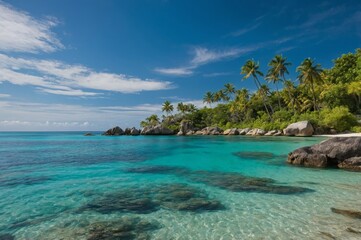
(329, 98)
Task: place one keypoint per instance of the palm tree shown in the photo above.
(310, 74)
(277, 71)
(191, 108)
(153, 120)
(290, 89)
(251, 68)
(229, 90)
(181, 107)
(208, 98)
(167, 107)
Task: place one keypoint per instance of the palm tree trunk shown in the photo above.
(258, 84)
(314, 97)
(278, 96)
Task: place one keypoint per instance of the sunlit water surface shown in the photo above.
(69, 186)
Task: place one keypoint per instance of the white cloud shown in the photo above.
(59, 78)
(217, 74)
(202, 56)
(175, 71)
(3, 95)
(19, 32)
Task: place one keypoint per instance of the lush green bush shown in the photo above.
(338, 118)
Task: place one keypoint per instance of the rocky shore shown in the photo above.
(338, 152)
(303, 128)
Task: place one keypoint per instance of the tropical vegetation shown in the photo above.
(329, 98)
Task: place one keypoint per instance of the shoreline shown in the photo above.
(339, 135)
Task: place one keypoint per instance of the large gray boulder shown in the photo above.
(156, 130)
(303, 128)
(115, 131)
(134, 131)
(335, 152)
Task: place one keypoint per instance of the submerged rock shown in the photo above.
(124, 228)
(128, 201)
(303, 128)
(158, 170)
(347, 213)
(239, 183)
(88, 134)
(341, 152)
(255, 155)
(7, 236)
(180, 197)
(183, 197)
(157, 130)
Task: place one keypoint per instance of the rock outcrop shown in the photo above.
(336, 152)
(185, 128)
(303, 128)
(115, 131)
(256, 132)
(231, 131)
(156, 130)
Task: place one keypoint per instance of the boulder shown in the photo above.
(185, 127)
(244, 131)
(116, 131)
(271, 133)
(88, 134)
(134, 131)
(335, 152)
(199, 132)
(156, 130)
(190, 132)
(256, 132)
(353, 164)
(278, 133)
(303, 128)
(231, 131)
(127, 131)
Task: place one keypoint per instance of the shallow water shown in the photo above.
(68, 186)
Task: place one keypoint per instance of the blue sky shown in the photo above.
(90, 65)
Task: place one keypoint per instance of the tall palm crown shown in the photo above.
(310, 74)
(167, 107)
(229, 89)
(251, 68)
(208, 98)
(181, 107)
(278, 67)
(277, 71)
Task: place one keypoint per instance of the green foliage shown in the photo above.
(338, 118)
(329, 99)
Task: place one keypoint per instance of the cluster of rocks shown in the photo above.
(303, 128)
(338, 152)
(144, 200)
(117, 131)
(233, 182)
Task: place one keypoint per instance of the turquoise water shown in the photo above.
(68, 186)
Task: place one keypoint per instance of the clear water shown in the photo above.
(47, 178)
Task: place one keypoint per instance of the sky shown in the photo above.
(93, 64)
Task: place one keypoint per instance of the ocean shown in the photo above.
(63, 185)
